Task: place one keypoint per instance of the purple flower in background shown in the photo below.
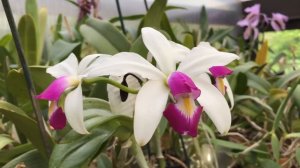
(252, 19)
(278, 21)
(88, 7)
(251, 22)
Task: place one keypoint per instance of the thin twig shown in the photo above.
(176, 160)
(254, 125)
(239, 135)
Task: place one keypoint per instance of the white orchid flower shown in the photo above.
(186, 84)
(69, 75)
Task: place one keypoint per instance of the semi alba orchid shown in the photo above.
(186, 85)
(68, 75)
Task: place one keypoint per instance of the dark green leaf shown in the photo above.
(60, 50)
(203, 23)
(98, 41)
(25, 124)
(104, 161)
(27, 32)
(219, 35)
(139, 47)
(31, 159)
(268, 163)
(155, 14)
(8, 155)
(80, 152)
(285, 79)
(111, 33)
(131, 17)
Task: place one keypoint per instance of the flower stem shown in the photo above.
(109, 81)
(158, 150)
(139, 155)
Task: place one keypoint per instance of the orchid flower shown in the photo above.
(68, 76)
(187, 85)
(278, 21)
(251, 21)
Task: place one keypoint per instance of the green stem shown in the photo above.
(109, 81)
(139, 155)
(158, 150)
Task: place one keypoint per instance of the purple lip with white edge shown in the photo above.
(184, 114)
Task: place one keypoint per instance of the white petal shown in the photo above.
(125, 62)
(161, 49)
(73, 108)
(202, 57)
(214, 104)
(117, 105)
(149, 106)
(181, 51)
(88, 62)
(229, 93)
(67, 67)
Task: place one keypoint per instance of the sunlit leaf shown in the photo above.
(5, 140)
(275, 146)
(261, 56)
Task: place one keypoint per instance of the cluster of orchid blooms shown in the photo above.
(183, 83)
(254, 18)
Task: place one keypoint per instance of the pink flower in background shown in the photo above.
(278, 21)
(253, 20)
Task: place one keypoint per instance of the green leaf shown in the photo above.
(245, 67)
(5, 40)
(30, 159)
(203, 23)
(188, 41)
(98, 41)
(60, 50)
(296, 96)
(285, 79)
(131, 17)
(58, 27)
(275, 146)
(31, 8)
(292, 135)
(155, 14)
(258, 101)
(166, 26)
(25, 124)
(28, 37)
(268, 163)
(104, 161)
(298, 155)
(43, 13)
(111, 33)
(8, 155)
(139, 47)
(5, 140)
(80, 152)
(235, 146)
(258, 83)
(219, 35)
(239, 83)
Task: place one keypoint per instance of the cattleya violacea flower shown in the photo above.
(181, 74)
(69, 75)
